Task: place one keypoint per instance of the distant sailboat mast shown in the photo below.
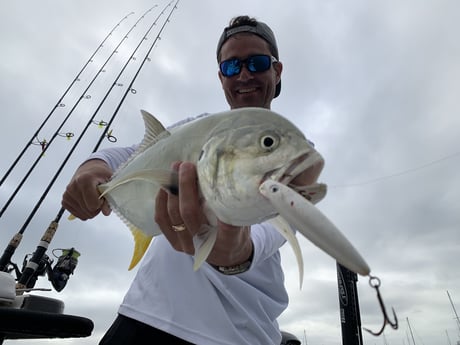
(456, 315)
(448, 339)
(410, 330)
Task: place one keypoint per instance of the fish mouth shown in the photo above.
(305, 163)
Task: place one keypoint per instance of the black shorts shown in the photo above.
(126, 331)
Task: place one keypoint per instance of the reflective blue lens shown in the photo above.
(254, 64)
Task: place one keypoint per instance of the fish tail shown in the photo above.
(141, 243)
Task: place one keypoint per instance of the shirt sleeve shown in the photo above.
(114, 156)
(266, 240)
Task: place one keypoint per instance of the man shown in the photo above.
(237, 295)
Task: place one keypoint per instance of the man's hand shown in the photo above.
(233, 245)
(81, 197)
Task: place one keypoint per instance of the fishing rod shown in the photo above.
(59, 102)
(350, 316)
(130, 87)
(47, 237)
(56, 134)
(80, 137)
(15, 241)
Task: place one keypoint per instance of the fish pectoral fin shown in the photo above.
(203, 243)
(286, 231)
(141, 243)
(167, 179)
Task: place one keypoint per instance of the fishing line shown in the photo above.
(82, 96)
(397, 174)
(49, 233)
(59, 102)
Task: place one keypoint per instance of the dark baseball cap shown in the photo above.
(260, 29)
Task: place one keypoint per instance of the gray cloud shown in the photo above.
(373, 85)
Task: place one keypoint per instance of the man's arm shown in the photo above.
(81, 197)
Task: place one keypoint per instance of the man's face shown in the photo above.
(249, 89)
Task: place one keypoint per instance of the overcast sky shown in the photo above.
(374, 84)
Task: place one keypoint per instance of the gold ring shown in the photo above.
(179, 227)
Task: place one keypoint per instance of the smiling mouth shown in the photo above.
(246, 90)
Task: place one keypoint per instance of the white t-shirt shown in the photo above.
(207, 307)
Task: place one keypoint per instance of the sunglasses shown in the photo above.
(254, 64)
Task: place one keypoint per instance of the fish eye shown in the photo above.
(269, 141)
(274, 189)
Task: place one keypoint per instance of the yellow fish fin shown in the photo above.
(141, 243)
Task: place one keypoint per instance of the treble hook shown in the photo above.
(375, 283)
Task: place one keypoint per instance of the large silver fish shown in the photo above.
(235, 153)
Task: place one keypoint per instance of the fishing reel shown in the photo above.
(64, 267)
(57, 275)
